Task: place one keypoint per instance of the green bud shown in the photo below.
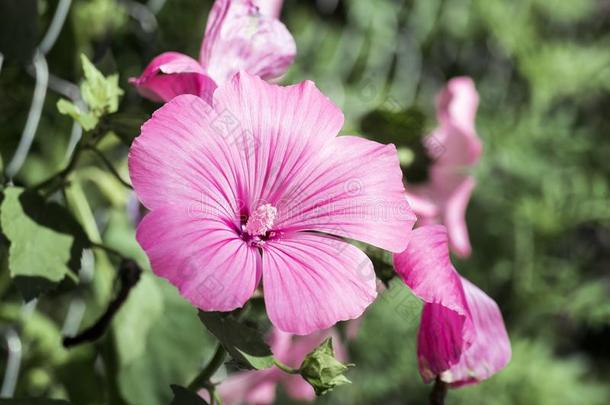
(322, 370)
(99, 92)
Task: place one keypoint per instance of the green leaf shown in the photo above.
(86, 119)
(100, 93)
(134, 321)
(245, 344)
(46, 242)
(258, 362)
(92, 386)
(173, 350)
(104, 274)
(41, 332)
(183, 396)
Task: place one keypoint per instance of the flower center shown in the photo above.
(259, 223)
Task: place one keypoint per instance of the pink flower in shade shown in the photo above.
(259, 387)
(238, 36)
(462, 338)
(455, 148)
(253, 188)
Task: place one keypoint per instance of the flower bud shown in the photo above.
(322, 370)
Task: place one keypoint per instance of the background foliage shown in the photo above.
(539, 218)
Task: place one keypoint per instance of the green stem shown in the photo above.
(57, 180)
(285, 368)
(109, 166)
(107, 249)
(203, 379)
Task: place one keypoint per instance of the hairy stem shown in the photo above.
(284, 367)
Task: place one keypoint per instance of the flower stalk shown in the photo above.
(439, 392)
(203, 378)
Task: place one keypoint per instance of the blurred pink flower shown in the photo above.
(461, 336)
(259, 387)
(253, 188)
(455, 148)
(238, 36)
(271, 8)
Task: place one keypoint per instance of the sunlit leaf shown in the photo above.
(46, 242)
(99, 92)
(134, 320)
(174, 349)
(86, 119)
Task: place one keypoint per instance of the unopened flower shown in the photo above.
(322, 370)
(240, 35)
(454, 148)
(253, 188)
(259, 387)
(461, 338)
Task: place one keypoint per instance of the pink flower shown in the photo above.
(253, 188)
(461, 337)
(237, 37)
(259, 387)
(271, 8)
(455, 148)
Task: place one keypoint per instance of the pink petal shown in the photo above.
(278, 131)
(422, 206)
(313, 281)
(171, 74)
(455, 218)
(455, 148)
(270, 8)
(354, 189)
(446, 326)
(353, 327)
(297, 388)
(456, 108)
(254, 387)
(239, 37)
(181, 159)
(263, 393)
(200, 255)
(491, 349)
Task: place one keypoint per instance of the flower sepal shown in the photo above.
(322, 370)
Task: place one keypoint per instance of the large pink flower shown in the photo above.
(461, 337)
(238, 36)
(259, 387)
(455, 148)
(253, 188)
